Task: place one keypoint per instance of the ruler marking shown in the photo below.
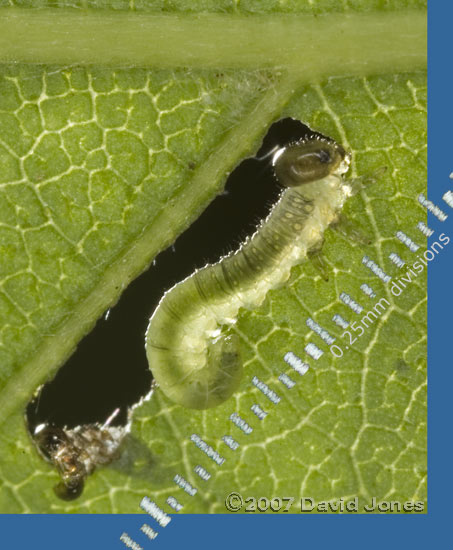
(207, 449)
(256, 409)
(296, 363)
(265, 390)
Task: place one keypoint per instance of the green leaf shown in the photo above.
(101, 168)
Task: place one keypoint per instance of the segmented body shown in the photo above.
(192, 351)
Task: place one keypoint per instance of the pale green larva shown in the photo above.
(192, 350)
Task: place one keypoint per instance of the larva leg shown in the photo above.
(348, 229)
(342, 224)
(359, 184)
(316, 257)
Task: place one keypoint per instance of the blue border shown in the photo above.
(264, 531)
(217, 532)
(440, 295)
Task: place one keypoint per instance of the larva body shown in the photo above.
(192, 352)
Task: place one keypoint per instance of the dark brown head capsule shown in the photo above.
(309, 160)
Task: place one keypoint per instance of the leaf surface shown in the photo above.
(101, 168)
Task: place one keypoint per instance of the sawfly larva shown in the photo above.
(192, 350)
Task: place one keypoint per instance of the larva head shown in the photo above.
(309, 160)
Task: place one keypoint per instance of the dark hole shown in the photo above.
(109, 369)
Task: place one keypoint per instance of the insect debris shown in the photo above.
(76, 452)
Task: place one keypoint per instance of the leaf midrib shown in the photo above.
(332, 44)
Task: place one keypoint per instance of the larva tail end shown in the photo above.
(221, 376)
(199, 380)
